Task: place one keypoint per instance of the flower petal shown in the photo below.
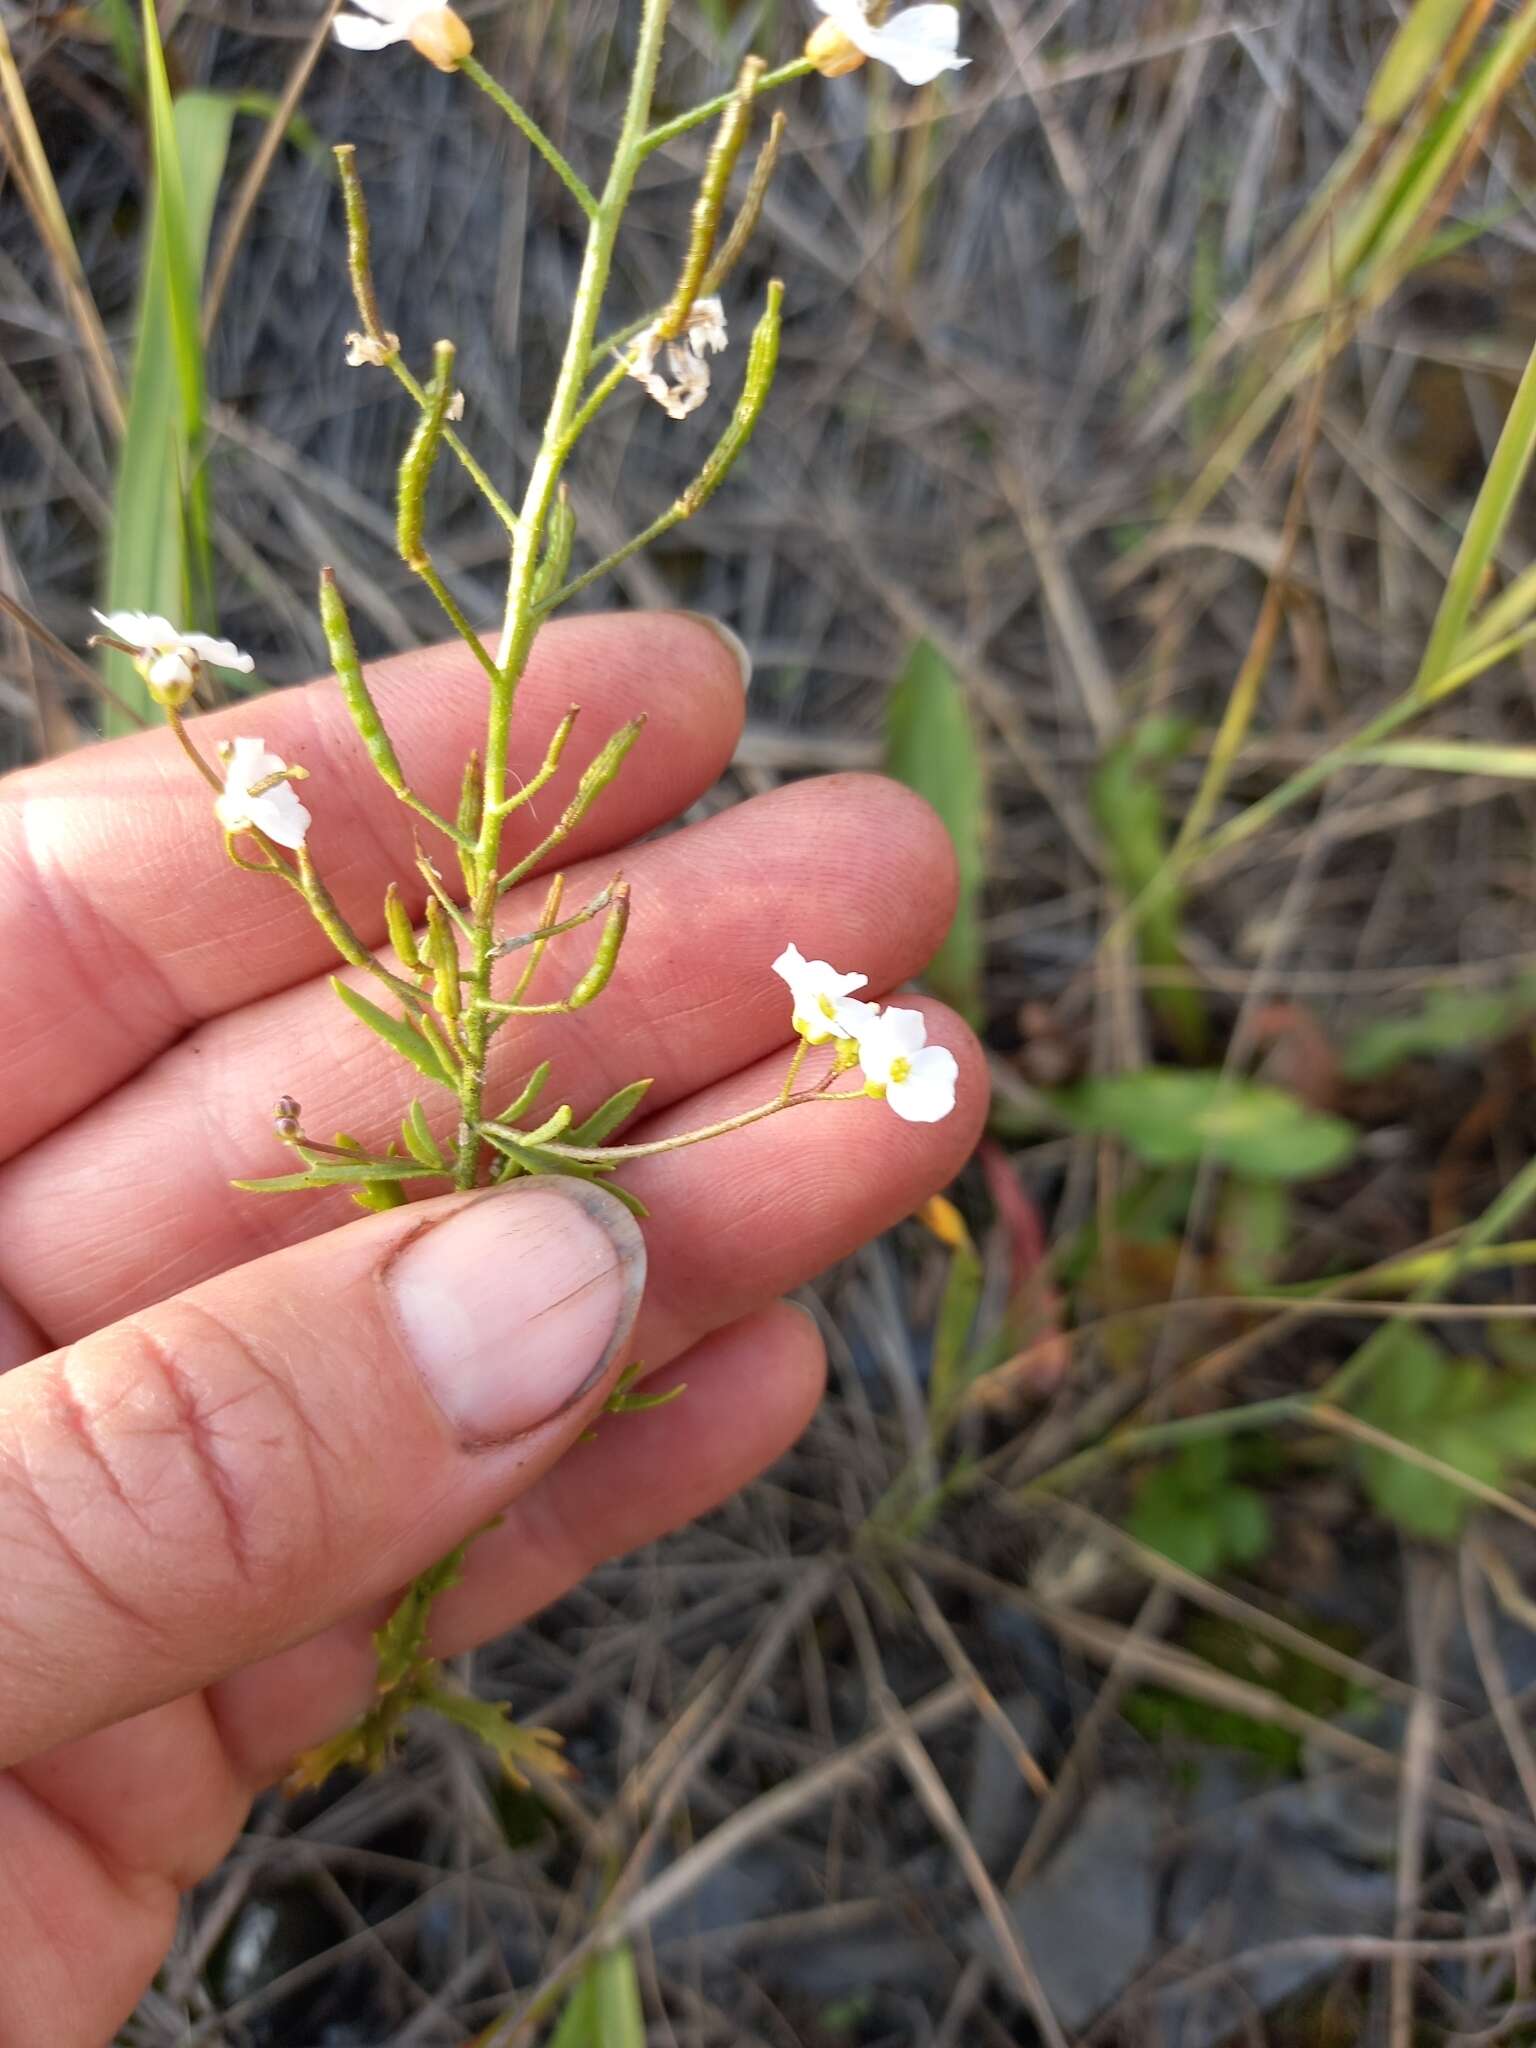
(222, 653)
(917, 44)
(928, 1093)
(356, 32)
(281, 815)
(141, 629)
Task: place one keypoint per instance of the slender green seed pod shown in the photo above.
(443, 958)
(359, 260)
(598, 773)
(354, 689)
(559, 539)
(598, 975)
(471, 803)
(762, 361)
(745, 224)
(420, 455)
(402, 933)
(710, 203)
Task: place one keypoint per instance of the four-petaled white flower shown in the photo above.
(703, 331)
(918, 43)
(434, 31)
(247, 806)
(822, 997)
(917, 1079)
(169, 660)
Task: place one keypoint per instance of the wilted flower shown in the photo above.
(703, 330)
(169, 660)
(917, 43)
(257, 795)
(917, 1079)
(436, 33)
(364, 348)
(822, 997)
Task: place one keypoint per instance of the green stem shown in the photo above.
(526, 125)
(712, 109)
(521, 618)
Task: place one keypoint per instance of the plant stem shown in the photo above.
(711, 109)
(526, 124)
(520, 619)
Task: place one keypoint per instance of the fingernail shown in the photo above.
(516, 1304)
(734, 641)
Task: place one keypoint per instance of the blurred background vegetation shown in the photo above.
(1139, 1648)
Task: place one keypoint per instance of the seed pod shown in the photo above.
(710, 204)
(443, 958)
(420, 455)
(359, 264)
(762, 361)
(597, 774)
(559, 539)
(598, 975)
(354, 688)
(402, 933)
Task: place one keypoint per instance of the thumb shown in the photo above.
(232, 1470)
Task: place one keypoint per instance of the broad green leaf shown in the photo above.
(1452, 1022)
(613, 1112)
(1170, 1116)
(160, 557)
(1458, 1410)
(395, 1032)
(931, 746)
(1192, 1511)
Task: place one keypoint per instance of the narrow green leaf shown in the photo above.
(342, 1173)
(418, 1138)
(395, 1032)
(1412, 55)
(952, 1368)
(159, 554)
(930, 745)
(614, 1111)
(603, 2009)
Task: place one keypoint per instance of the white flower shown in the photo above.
(917, 1079)
(822, 997)
(918, 43)
(169, 660)
(245, 806)
(704, 330)
(435, 32)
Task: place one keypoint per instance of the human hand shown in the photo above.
(257, 1425)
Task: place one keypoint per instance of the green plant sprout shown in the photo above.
(451, 986)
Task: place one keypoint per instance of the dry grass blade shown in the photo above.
(28, 161)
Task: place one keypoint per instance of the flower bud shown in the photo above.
(830, 51)
(171, 678)
(442, 38)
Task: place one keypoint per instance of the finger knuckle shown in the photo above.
(176, 1444)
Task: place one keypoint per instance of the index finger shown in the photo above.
(128, 926)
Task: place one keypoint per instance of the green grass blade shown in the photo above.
(1485, 528)
(931, 747)
(1420, 43)
(160, 556)
(604, 2009)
